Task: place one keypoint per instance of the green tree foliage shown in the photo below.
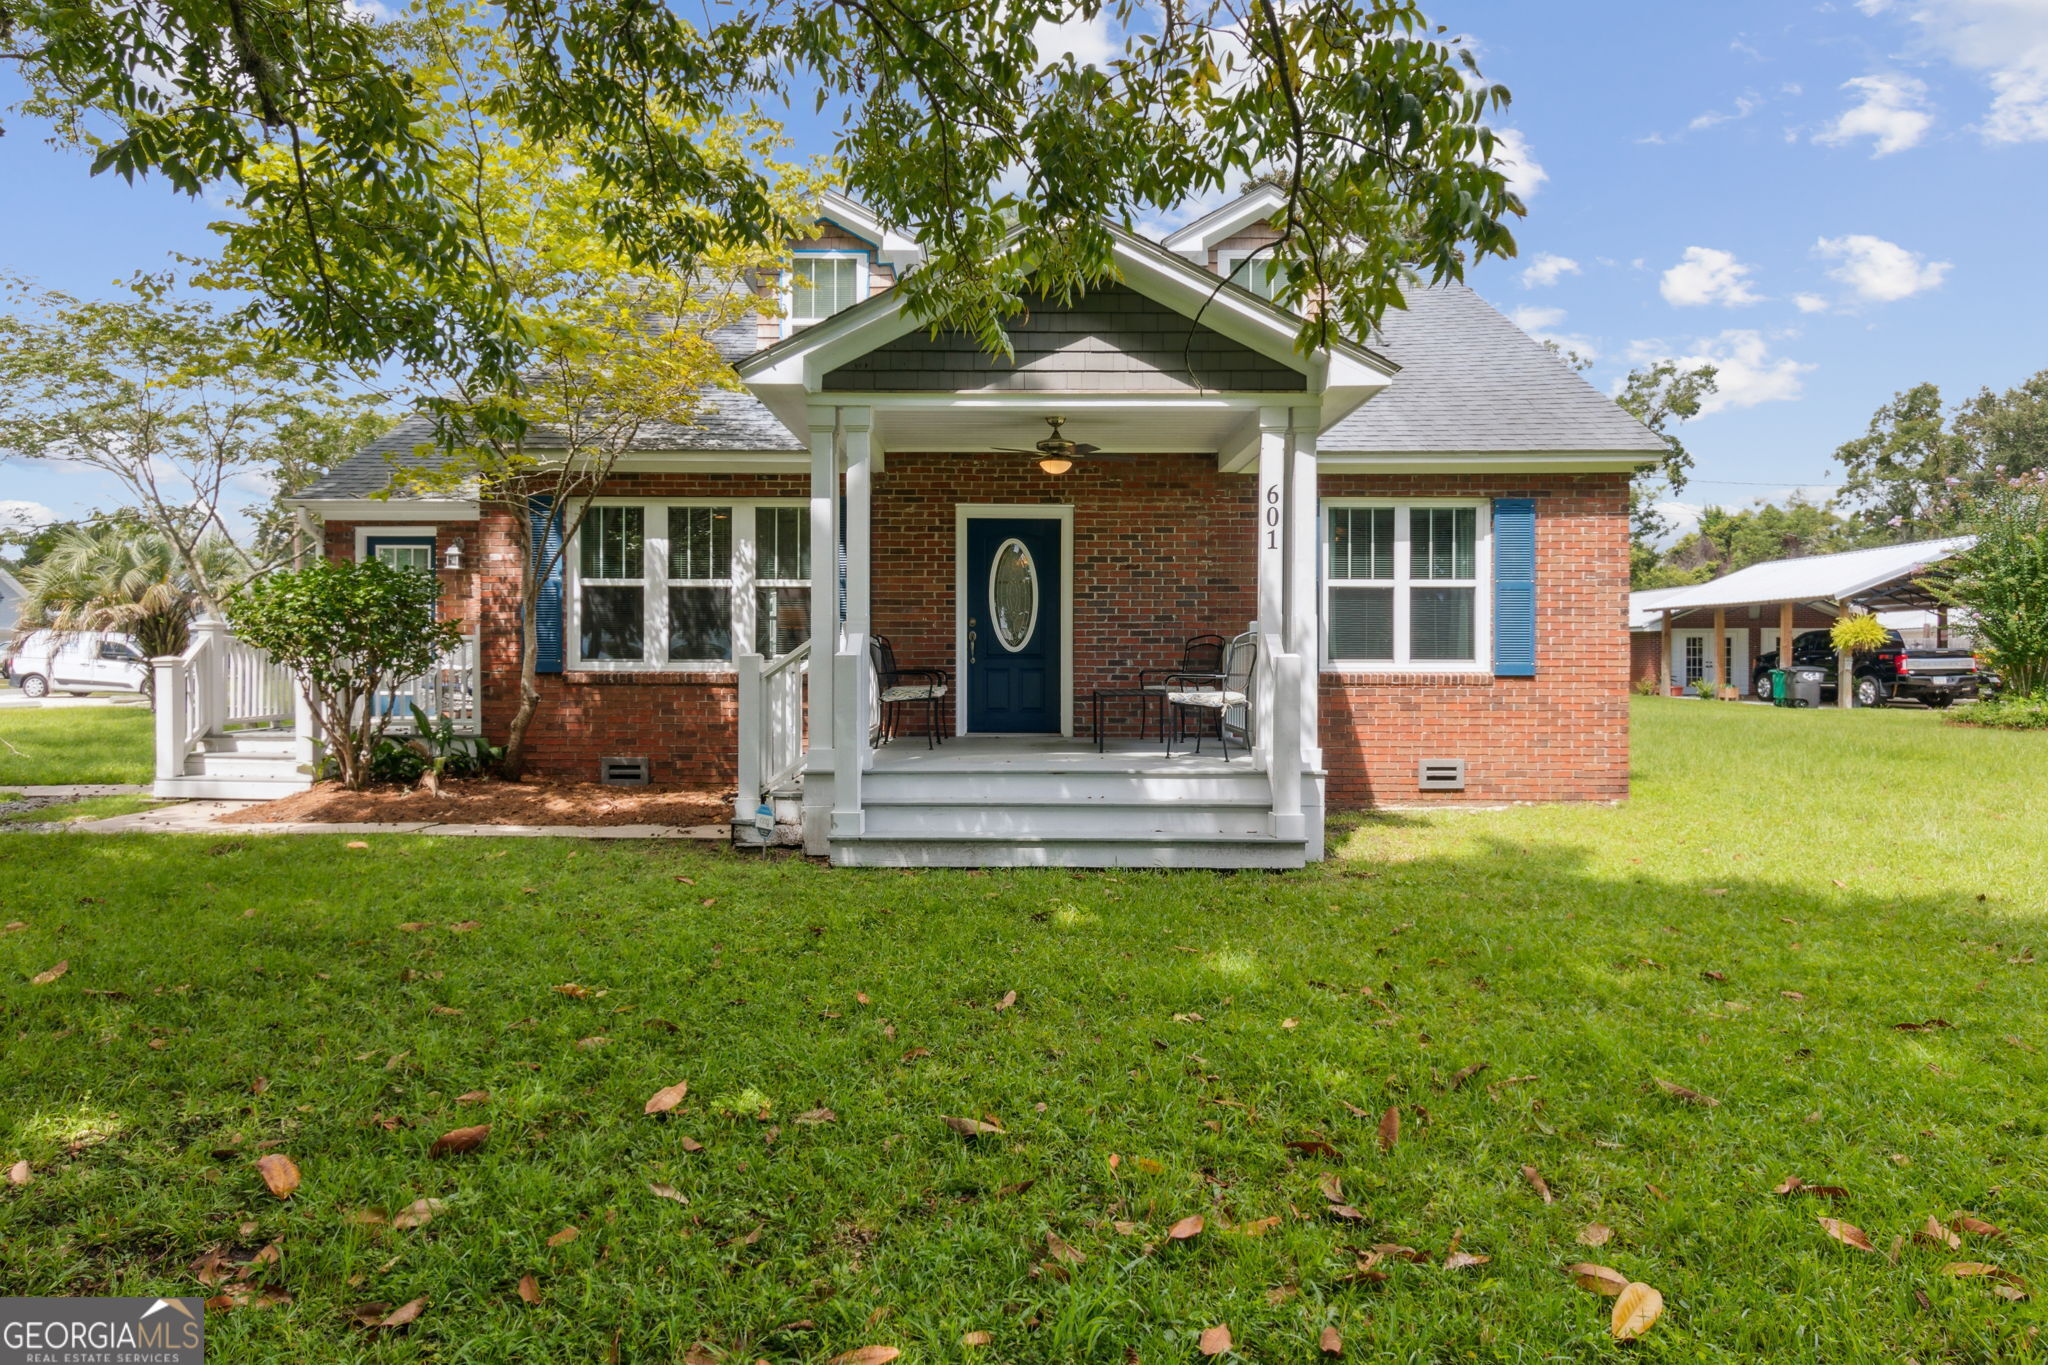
(1910, 475)
(1661, 397)
(2002, 581)
(348, 631)
(165, 394)
(126, 579)
(1371, 121)
(1729, 540)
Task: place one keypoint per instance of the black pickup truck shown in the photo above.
(1934, 677)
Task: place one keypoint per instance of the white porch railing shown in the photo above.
(1277, 730)
(771, 725)
(452, 688)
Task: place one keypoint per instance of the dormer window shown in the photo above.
(1259, 273)
(822, 283)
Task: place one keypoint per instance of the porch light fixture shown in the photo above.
(451, 558)
(1055, 464)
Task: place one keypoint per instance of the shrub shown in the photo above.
(1704, 687)
(1858, 634)
(349, 631)
(2002, 582)
(1644, 687)
(2007, 713)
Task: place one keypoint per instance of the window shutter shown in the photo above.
(547, 589)
(1514, 587)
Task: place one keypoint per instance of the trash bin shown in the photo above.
(1804, 686)
(1775, 688)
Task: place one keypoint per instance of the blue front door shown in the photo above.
(1014, 631)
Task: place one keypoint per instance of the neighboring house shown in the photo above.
(12, 594)
(1672, 630)
(1426, 534)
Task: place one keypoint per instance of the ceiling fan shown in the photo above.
(1056, 454)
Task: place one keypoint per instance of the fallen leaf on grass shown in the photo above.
(279, 1174)
(1009, 999)
(1331, 1186)
(18, 1173)
(460, 1140)
(1636, 1310)
(1345, 1212)
(1536, 1182)
(1258, 1227)
(1923, 1026)
(661, 1191)
(358, 843)
(1976, 1227)
(1390, 1128)
(418, 1213)
(916, 1053)
(972, 1127)
(1848, 1234)
(1458, 1260)
(1215, 1341)
(529, 1289)
(15, 926)
(1932, 1233)
(473, 1097)
(976, 1338)
(1063, 1251)
(1316, 1147)
(466, 925)
(45, 978)
(666, 1098)
(565, 1236)
(690, 1144)
(867, 1355)
(1464, 1074)
(1713, 976)
(817, 1116)
(1679, 1092)
(1595, 1235)
(1190, 1226)
(383, 1315)
(591, 1044)
(1331, 1343)
(1598, 1278)
(1792, 1184)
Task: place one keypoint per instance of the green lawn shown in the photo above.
(1171, 1034)
(76, 744)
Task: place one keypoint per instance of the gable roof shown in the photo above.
(1249, 209)
(1472, 381)
(1811, 578)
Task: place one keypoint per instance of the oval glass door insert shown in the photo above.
(1013, 595)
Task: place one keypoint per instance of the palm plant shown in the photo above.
(124, 579)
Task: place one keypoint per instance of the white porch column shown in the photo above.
(855, 430)
(172, 739)
(852, 675)
(1271, 520)
(1304, 556)
(824, 435)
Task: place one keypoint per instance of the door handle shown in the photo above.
(972, 635)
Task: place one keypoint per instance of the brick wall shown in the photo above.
(1163, 548)
(1559, 736)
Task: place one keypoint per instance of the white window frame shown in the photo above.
(411, 531)
(656, 582)
(862, 285)
(760, 581)
(1227, 263)
(1403, 581)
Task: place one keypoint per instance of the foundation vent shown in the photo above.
(1440, 774)
(622, 772)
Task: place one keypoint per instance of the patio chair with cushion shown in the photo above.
(1201, 657)
(922, 690)
(1203, 695)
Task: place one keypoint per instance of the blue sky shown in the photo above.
(1833, 201)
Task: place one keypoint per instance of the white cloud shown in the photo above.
(1547, 268)
(1880, 271)
(1707, 275)
(1746, 372)
(1086, 39)
(1745, 105)
(1524, 172)
(2006, 41)
(373, 10)
(1535, 319)
(1893, 114)
(1810, 303)
(19, 515)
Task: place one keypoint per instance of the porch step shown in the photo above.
(238, 765)
(1098, 850)
(273, 743)
(1083, 818)
(1132, 783)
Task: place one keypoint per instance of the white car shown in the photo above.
(78, 663)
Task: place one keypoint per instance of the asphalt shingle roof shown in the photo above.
(1472, 381)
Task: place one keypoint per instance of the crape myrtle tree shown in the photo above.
(1904, 475)
(2001, 581)
(952, 124)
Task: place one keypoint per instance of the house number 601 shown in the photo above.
(1273, 516)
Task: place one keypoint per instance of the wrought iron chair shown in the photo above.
(1218, 694)
(897, 687)
(1201, 656)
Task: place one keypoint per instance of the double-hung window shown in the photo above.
(674, 585)
(1404, 585)
(822, 283)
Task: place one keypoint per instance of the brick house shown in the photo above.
(1424, 540)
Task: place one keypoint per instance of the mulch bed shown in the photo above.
(499, 803)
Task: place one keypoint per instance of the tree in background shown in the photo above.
(126, 579)
(1661, 396)
(1729, 540)
(2002, 580)
(951, 125)
(169, 397)
(1910, 474)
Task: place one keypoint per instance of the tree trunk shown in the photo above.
(529, 663)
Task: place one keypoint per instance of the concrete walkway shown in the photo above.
(202, 817)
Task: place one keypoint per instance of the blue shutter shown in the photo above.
(547, 590)
(1514, 587)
